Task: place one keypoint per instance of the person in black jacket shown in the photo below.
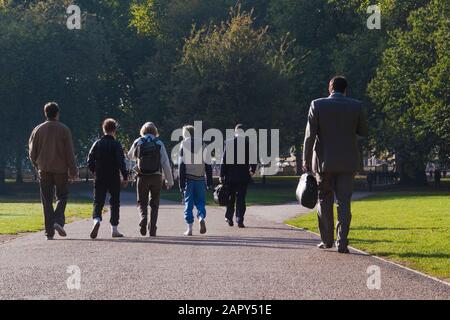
(107, 161)
(236, 174)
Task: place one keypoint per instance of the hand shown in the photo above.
(305, 168)
(221, 180)
(252, 173)
(168, 186)
(124, 183)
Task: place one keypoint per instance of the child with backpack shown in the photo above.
(151, 159)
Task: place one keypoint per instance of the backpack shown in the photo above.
(221, 195)
(307, 191)
(149, 157)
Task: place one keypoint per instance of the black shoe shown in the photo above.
(202, 227)
(230, 222)
(94, 231)
(143, 225)
(343, 250)
(50, 238)
(60, 230)
(324, 246)
(152, 231)
(241, 225)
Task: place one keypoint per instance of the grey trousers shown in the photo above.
(331, 186)
(49, 183)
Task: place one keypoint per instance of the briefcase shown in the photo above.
(307, 191)
(221, 195)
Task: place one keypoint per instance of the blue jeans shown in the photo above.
(194, 194)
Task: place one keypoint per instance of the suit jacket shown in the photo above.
(239, 170)
(331, 134)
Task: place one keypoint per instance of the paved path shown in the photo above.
(268, 260)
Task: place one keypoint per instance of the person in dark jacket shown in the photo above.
(236, 173)
(107, 161)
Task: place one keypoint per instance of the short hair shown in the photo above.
(51, 110)
(109, 125)
(339, 83)
(149, 128)
(188, 131)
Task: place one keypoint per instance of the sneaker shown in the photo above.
(94, 231)
(189, 230)
(229, 222)
(202, 226)
(322, 245)
(60, 230)
(115, 233)
(50, 238)
(241, 225)
(143, 227)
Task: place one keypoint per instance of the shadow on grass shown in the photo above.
(394, 229)
(415, 255)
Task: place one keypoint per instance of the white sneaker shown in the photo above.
(95, 227)
(189, 230)
(115, 232)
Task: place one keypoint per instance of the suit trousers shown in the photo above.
(49, 183)
(238, 192)
(333, 186)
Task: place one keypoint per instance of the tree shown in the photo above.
(410, 92)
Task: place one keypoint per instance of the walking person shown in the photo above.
(331, 150)
(52, 154)
(192, 171)
(106, 161)
(236, 174)
(151, 159)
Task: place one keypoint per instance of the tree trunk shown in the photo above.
(412, 171)
(19, 176)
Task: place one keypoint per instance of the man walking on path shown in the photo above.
(331, 150)
(52, 154)
(107, 161)
(193, 168)
(152, 160)
(236, 173)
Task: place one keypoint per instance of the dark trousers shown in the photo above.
(149, 187)
(101, 188)
(238, 191)
(49, 183)
(331, 185)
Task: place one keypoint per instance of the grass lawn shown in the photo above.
(21, 210)
(411, 228)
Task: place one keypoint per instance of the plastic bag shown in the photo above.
(307, 191)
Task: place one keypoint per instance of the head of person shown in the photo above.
(149, 128)
(188, 131)
(338, 85)
(109, 127)
(51, 111)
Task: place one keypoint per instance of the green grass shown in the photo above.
(20, 214)
(407, 227)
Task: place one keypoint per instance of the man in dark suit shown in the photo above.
(236, 173)
(331, 151)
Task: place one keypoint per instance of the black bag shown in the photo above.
(149, 157)
(307, 191)
(221, 195)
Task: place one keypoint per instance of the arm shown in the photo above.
(132, 152)
(33, 148)
(91, 157)
(310, 137)
(165, 165)
(251, 149)
(70, 156)
(120, 158)
(182, 169)
(209, 177)
(223, 165)
(363, 126)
